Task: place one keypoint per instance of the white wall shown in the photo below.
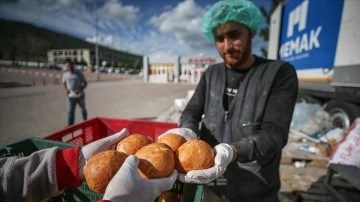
(348, 45)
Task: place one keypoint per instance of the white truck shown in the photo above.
(321, 39)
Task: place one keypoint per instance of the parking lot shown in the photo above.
(24, 76)
(38, 110)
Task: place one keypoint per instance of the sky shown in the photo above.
(146, 27)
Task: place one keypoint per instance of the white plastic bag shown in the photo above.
(348, 150)
(309, 118)
(334, 136)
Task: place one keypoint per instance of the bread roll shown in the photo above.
(173, 140)
(101, 168)
(194, 155)
(132, 143)
(167, 196)
(156, 161)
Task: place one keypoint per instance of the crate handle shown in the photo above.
(8, 150)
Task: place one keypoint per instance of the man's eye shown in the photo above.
(234, 35)
(219, 38)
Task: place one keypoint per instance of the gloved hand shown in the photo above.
(127, 185)
(224, 154)
(93, 148)
(187, 133)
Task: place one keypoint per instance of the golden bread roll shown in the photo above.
(167, 196)
(132, 143)
(173, 140)
(194, 155)
(101, 168)
(156, 161)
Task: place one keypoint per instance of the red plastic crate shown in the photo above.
(100, 127)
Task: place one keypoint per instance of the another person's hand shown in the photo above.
(77, 91)
(95, 147)
(224, 155)
(127, 185)
(187, 133)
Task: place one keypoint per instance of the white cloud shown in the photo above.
(178, 32)
(174, 29)
(113, 10)
(107, 40)
(64, 16)
(257, 44)
(162, 54)
(184, 23)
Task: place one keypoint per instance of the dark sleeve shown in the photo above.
(80, 75)
(191, 116)
(275, 125)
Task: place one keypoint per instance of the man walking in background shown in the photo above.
(74, 82)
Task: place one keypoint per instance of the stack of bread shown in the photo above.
(157, 159)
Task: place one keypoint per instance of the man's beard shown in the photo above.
(243, 56)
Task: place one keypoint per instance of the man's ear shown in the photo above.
(251, 33)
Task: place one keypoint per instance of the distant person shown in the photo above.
(244, 106)
(74, 82)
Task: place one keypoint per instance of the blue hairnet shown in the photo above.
(241, 11)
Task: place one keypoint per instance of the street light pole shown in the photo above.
(96, 45)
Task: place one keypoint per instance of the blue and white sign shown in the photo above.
(310, 32)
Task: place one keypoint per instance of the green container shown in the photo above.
(190, 192)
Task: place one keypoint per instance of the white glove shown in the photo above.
(128, 186)
(187, 133)
(224, 155)
(93, 148)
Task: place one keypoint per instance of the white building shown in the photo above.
(170, 68)
(87, 56)
(60, 55)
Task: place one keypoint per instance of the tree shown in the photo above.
(82, 62)
(13, 54)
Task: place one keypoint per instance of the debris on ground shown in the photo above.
(305, 158)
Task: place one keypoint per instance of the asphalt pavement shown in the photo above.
(39, 110)
(33, 104)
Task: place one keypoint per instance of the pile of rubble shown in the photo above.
(311, 137)
(310, 149)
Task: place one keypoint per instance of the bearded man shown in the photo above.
(242, 107)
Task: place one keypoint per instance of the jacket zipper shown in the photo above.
(226, 135)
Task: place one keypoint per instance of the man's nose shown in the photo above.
(228, 42)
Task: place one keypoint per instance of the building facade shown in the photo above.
(85, 56)
(187, 69)
(57, 56)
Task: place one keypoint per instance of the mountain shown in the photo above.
(21, 41)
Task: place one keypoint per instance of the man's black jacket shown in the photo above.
(257, 123)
